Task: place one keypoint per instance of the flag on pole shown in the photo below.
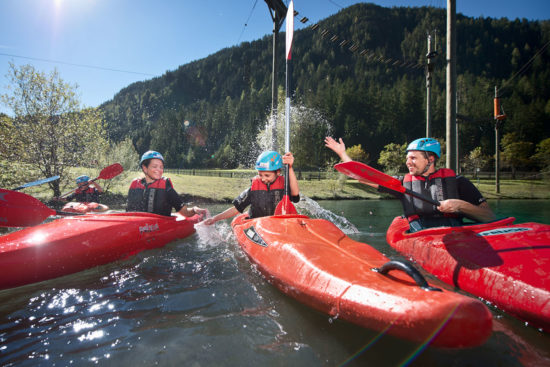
(289, 28)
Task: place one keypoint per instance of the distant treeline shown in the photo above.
(209, 113)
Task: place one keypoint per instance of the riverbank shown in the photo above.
(209, 189)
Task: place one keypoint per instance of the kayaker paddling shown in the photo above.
(155, 193)
(266, 190)
(87, 191)
(457, 196)
(85, 197)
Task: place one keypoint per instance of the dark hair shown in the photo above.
(431, 154)
(146, 163)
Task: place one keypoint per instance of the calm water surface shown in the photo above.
(199, 302)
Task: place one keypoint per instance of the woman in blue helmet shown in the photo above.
(457, 196)
(155, 193)
(266, 190)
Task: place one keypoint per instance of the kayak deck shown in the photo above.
(316, 263)
(84, 207)
(504, 263)
(71, 244)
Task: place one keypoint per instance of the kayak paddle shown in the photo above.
(285, 206)
(361, 171)
(37, 182)
(21, 210)
(106, 173)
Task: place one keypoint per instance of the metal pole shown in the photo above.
(497, 158)
(429, 69)
(457, 169)
(451, 83)
(497, 143)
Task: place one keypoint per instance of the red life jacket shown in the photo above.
(151, 198)
(264, 198)
(440, 185)
(85, 195)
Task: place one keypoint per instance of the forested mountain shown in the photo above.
(208, 113)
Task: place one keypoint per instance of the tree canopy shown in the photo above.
(49, 125)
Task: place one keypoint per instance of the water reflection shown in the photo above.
(199, 301)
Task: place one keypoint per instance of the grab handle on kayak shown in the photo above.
(409, 269)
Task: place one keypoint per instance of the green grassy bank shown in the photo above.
(225, 189)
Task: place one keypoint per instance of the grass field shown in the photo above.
(225, 189)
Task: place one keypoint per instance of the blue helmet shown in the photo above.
(82, 179)
(269, 161)
(150, 154)
(426, 145)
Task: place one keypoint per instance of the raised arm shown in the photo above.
(288, 158)
(338, 147)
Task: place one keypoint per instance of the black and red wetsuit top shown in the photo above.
(88, 195)
(158, 197)
(262, 198)
(441, 185)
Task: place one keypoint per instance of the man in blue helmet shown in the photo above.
(155, 193)
(457, 196)
(267, 188)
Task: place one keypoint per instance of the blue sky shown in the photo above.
(105, 45)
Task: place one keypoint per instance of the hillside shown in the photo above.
(208, 113)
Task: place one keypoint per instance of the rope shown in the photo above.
(524, 68)
(79, 65)
(247, 20)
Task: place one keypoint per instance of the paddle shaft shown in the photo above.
(285, 206)
(73, 190)
(287, 121)
(360, 170)
(35, 183)
(422, 197)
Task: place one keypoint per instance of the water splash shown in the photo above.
(308, 128)
(218, 234)
(312, 209)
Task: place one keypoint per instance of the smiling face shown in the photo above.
(153, 171)
(417, 162)
(268, 177)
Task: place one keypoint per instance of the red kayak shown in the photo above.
(82, 208)
(71, 244)
(316, 263)
(504, 263)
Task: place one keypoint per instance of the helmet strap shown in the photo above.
(429, 163)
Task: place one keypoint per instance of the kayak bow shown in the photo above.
(317, 264)
(504, 263)
(73, 244)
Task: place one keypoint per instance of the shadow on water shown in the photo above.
(200, 302)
